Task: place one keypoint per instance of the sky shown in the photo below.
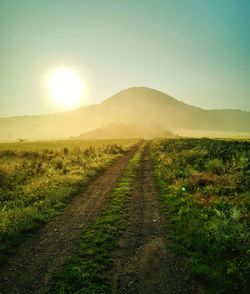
(197, 51)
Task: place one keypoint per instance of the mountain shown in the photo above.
(141, 106)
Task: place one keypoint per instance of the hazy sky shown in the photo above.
(195, 50)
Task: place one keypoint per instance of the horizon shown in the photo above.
(197, 52)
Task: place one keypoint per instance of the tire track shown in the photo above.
(143, 263)
(37, 260)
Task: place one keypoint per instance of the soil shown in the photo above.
(143, 262)
(36, 261)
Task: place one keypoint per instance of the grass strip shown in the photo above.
(87, 270)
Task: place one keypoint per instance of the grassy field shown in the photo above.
(205, 187)
(40, 146)
(203, 184)
(37, 179)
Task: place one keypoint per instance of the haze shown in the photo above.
(196, 51)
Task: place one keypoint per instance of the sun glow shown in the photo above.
(65, 87)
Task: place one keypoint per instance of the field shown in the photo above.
(123, 216)
(37, 179)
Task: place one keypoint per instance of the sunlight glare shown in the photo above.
(65, 87)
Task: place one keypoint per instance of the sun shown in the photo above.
(65, 87)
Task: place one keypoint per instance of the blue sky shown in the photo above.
(195, 50)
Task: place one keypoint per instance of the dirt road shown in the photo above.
(40, 257)
(143, 262)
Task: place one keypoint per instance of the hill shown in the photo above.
(141, 106)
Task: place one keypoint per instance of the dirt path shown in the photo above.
(143, 262)
(40, 257)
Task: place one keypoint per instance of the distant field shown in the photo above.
(58, 144)
(37, 179)
(205, 186)
(212, 134)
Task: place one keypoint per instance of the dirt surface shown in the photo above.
(143, 262)
(40, 257)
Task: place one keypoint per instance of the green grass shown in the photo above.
(87, 270)
(204, 185)
(36, 185)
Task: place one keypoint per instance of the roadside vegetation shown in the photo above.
(38, 179)
(205, 187)
(88, 269)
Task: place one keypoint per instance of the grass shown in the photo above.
(204, 185)
(86, 272)
(36, 185)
